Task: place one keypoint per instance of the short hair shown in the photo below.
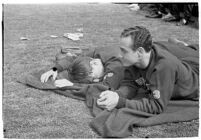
(80, 69)
(141, 37)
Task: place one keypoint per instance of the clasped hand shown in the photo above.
(108, 99)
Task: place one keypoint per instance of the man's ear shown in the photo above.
(140, 51)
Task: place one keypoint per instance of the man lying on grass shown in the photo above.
(101, 65)
(155, 74)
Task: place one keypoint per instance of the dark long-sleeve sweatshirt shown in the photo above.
(166, 77)
(113, 68)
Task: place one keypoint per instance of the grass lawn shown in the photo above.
(31, 113)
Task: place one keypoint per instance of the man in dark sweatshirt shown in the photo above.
(155, 74)
(101, 64)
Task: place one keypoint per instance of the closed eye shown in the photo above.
(123, 50)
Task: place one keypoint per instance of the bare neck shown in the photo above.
(145, 60)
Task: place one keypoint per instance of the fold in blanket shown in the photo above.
(118, 122)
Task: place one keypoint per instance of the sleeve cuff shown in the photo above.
(121, 102)
(58, 68)
(54, 69)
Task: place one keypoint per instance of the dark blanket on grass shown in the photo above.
(118, 122)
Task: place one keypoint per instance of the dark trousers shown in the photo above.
(153, 8)
(183, 10)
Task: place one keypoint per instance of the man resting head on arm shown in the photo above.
(101, 65)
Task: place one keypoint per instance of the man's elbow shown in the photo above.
(157, 109)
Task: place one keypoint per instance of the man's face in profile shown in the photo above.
(97, 68)
(129, 56)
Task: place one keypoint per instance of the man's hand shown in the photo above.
(108, 99)
(45, 76)
(63, 83)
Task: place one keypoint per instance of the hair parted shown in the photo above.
(141, 37)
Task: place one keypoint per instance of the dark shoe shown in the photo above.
(169, 17)
(154, 15)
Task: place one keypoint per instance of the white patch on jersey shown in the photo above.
(156, 94)
(96, 80)
(110, 74)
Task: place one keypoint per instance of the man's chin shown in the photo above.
(126, 63)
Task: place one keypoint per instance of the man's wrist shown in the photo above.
(121, 102)
(54, 69)
(58, 67)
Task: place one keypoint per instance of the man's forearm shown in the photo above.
(144, 104)
(128, 98)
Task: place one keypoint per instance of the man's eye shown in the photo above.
(123, 50)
